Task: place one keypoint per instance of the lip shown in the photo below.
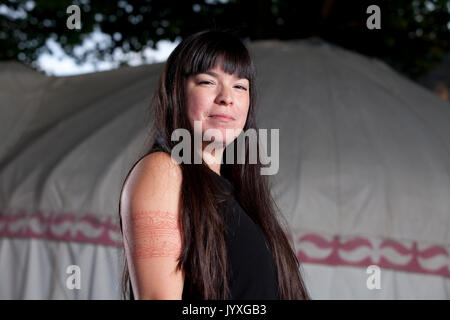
(222, 117)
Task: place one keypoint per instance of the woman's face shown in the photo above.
(219, 101)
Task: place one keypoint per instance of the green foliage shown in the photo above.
(414, 35)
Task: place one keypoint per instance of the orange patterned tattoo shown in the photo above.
(156, 234)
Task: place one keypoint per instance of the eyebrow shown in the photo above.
(214, 74)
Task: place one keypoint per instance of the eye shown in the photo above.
(242, 88)
(205, 82)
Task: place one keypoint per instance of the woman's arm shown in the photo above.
(150, 205)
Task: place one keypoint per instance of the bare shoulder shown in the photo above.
(157, 165)
(153, 184)
(160, 161)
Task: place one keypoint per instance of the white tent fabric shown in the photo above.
(364, 174)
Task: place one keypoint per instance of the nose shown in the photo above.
(224, 96)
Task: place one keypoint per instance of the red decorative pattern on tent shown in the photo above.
(363, 251)
(61, 227)
(359, 251)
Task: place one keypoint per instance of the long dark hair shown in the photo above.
(203, 257)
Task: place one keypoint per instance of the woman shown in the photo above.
(204, 231)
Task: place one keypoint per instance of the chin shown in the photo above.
(221, 134)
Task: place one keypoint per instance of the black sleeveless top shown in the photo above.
(253, 271)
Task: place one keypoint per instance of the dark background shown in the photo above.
(414, 35)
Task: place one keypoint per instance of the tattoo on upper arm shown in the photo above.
(155, 234)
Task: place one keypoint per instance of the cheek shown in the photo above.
(197, 107)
